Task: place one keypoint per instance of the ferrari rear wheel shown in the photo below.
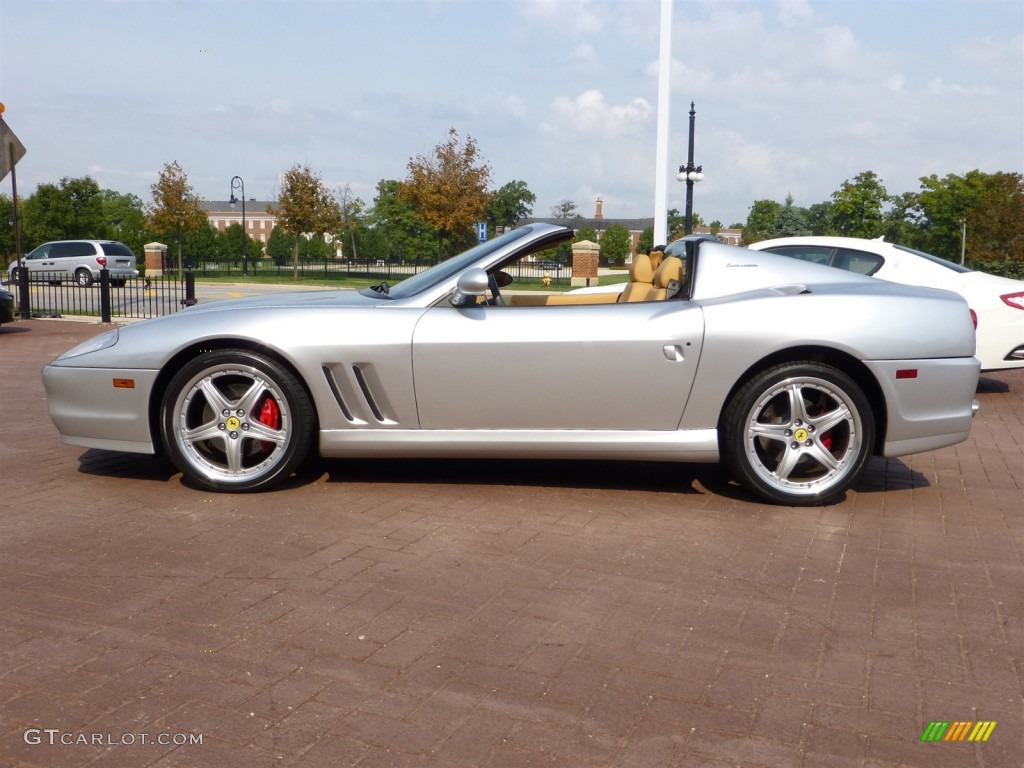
(235, 420)
(798, 433)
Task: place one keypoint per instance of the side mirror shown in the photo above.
(472, 283)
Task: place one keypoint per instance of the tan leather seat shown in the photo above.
(641, 277)
(670, 270)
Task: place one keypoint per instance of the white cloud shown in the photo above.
(515, 106)
(576, 17)
(794, 12)
(589, 113)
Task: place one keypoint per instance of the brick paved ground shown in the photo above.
(470, 614)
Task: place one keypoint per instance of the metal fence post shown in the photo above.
(24, 298)
(190, 288)
(104, 295)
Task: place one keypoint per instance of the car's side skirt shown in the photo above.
(697, 445)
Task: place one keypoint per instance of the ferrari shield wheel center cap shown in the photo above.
(800, 434)
(234, 423)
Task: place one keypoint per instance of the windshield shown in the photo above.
(934, 259)
(446, 269)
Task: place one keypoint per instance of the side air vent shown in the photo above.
(361, 380)
(329, 375)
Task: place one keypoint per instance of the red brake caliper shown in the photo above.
(270, 415)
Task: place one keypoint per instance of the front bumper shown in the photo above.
(89, 411)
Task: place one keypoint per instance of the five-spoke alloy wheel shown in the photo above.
(235, 420)
(799, 433)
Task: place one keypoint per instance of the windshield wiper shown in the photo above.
(380, 288)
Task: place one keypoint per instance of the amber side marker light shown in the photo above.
(906, 373)
(124, 383)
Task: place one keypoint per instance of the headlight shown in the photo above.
(94, 344)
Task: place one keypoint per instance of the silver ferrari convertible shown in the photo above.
(791, 373)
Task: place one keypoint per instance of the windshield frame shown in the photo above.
(445, 270)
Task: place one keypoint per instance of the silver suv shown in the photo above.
(80, 260)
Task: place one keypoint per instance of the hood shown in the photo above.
(325, 298)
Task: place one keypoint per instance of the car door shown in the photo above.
(625, 366)
(39, 260)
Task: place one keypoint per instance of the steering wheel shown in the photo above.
(496, 300)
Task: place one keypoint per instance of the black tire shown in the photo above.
(799, 434)
(119, 283)
(212, 428)
(83, 277)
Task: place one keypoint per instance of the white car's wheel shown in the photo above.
(235, 420)
(799, 433)
(83, 277)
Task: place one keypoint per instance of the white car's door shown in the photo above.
(624, 366)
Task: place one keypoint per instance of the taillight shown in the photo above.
(1015, 300)
(974, 319)
(101, 260)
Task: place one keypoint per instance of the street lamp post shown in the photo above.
(237, 183)
(690, 173)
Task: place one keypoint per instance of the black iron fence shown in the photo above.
(391, 270)
(55, 294)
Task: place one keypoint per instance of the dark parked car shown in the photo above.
(6, 306)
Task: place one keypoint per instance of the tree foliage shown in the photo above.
(615, 244)
(761, 221)
(448, 189)
(858, 206)
(398, 229)
(353, 218)
(67, 210)
(566, 209)
(175, 208)
(510, 203)
(305, 207)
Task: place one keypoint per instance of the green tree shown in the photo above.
(819, 218)
(205, 243)
(858, 206)
(7, 240)
(174, 209)
(996, 224)
(231, 243)
(677, 225)
(761, 221)
(585, 233)
(646, 241)
(987, 203)
(124, 219)
(512, 202)
(280, 245)
(566, 209)
(68, 210)
(305, 207)
(315, 247)
(615, 243)
(397, 226)
(902, 221)
(790, 221)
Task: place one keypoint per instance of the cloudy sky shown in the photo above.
(792, 96)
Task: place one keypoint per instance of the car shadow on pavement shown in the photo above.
(665, 477)
(987, 385)
(7, 329)
(137, 466)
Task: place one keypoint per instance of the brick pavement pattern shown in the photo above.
(444, 614)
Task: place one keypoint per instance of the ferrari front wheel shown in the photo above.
(798, 433)
(234, 420)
